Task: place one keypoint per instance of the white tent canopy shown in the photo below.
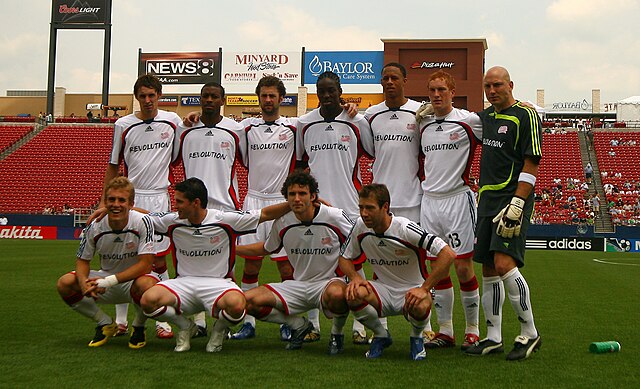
(628, 110)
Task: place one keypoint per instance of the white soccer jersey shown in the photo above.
(448, 144)
(398, 257)
(208, 249)
(312, 248)
(117, 250)
(333, 149)
(209, 153)
(271, 153)
(396, 148)
(146, 148)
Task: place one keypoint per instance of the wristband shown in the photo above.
(107, 281)
(528, 178)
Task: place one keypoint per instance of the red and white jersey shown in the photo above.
(209, 153)
(448, 144)
(207, 249)
(271, 153)
(395, 145)
(146, 148)
(333, 149)
(397, 257)
(117, 250)
(312, 248)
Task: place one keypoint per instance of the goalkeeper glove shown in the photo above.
(510, 218)
(425, 110)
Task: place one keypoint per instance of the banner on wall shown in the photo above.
(620, 245)
(74, 11)
(241, 71)
(353, 67)
(561, 243)
(28, 232)
(181, 68)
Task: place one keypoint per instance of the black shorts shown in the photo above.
(488, 241)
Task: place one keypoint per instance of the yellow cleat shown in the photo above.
(103, 333)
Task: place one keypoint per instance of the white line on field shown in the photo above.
(608, 262)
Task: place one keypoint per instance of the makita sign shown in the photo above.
(181, 68)
(79, 11)
(28, 232)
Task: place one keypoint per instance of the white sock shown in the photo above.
(470, 299)
(88, 307)
(168, 313)
(245, 287)
(121, 313)
(337, 327)
(140, 318)
(492, 300)
(314, 318)
(519, 296)
(443, 304)
(369, 317)
(200, 319)
(294, 322)
(275, 316)
(417, 326)
(383, 321)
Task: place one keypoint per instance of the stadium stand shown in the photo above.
(10, 134)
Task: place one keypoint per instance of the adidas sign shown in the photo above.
(149, 129)
(209, 133)
(329, 128)
(308, 232)
(268, 131)
(117, 240)
(394, 116)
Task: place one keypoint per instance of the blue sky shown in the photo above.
(566, 47)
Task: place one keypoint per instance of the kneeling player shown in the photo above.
(396, 248)
(311, 236)
(124, 243)
(204, 254)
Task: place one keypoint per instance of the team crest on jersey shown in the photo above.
(411, 126)
(130, 245)
(225, 145)
(268, 131)
(400, 252)
(214, 239)
(329, 128)
(308, 232)
(197, 232)
(454, 136)
(164, 135)
(149, 129)
(394, 117)
(503, 129)
(117, 240)
(209, 133)
(282, 136)
(345, 138)
(326, 240)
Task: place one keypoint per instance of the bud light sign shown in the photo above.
(353, 67)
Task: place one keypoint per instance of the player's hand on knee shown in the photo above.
(510, 218)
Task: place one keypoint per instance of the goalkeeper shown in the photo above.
(511, 152)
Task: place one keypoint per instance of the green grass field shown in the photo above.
(575, 301)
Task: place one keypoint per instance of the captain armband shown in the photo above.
(528, 178)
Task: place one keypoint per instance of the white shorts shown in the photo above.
(251, 202)
(391, 299)
(453, 219)
(197, 294)
(155, 202)
(411, 213)
(116, 294)
(302, 296)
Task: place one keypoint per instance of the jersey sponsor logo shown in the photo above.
(269, 146)
(207, 154)
(200, 253)
(492, 143)
(389, 262)
(329, 146)
(503, 129)
(268, 131)
(394, 117)
(148, 129)
(439, 128)
(308, 232)
(197, 232)
(209, 133)
(311, 251)
(118, 256)
(381, 244)
(441, 147)
(393, 138)
(117, 240)
(329, 128)
(150, 146)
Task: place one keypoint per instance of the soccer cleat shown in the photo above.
(103, 333)
(336, 344)
(313, 336)
(123, 328)
(285, 332)
(214, 345)
(484, 347)
(440, 341)
(297, 336)
(428, 335)
(418, 353)
(201, 332)
(378, 345)
(524, 347)
(163, 330)
(469, 340)
(138, 338)
(360, 338)
(246, 331)
(183, 340)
